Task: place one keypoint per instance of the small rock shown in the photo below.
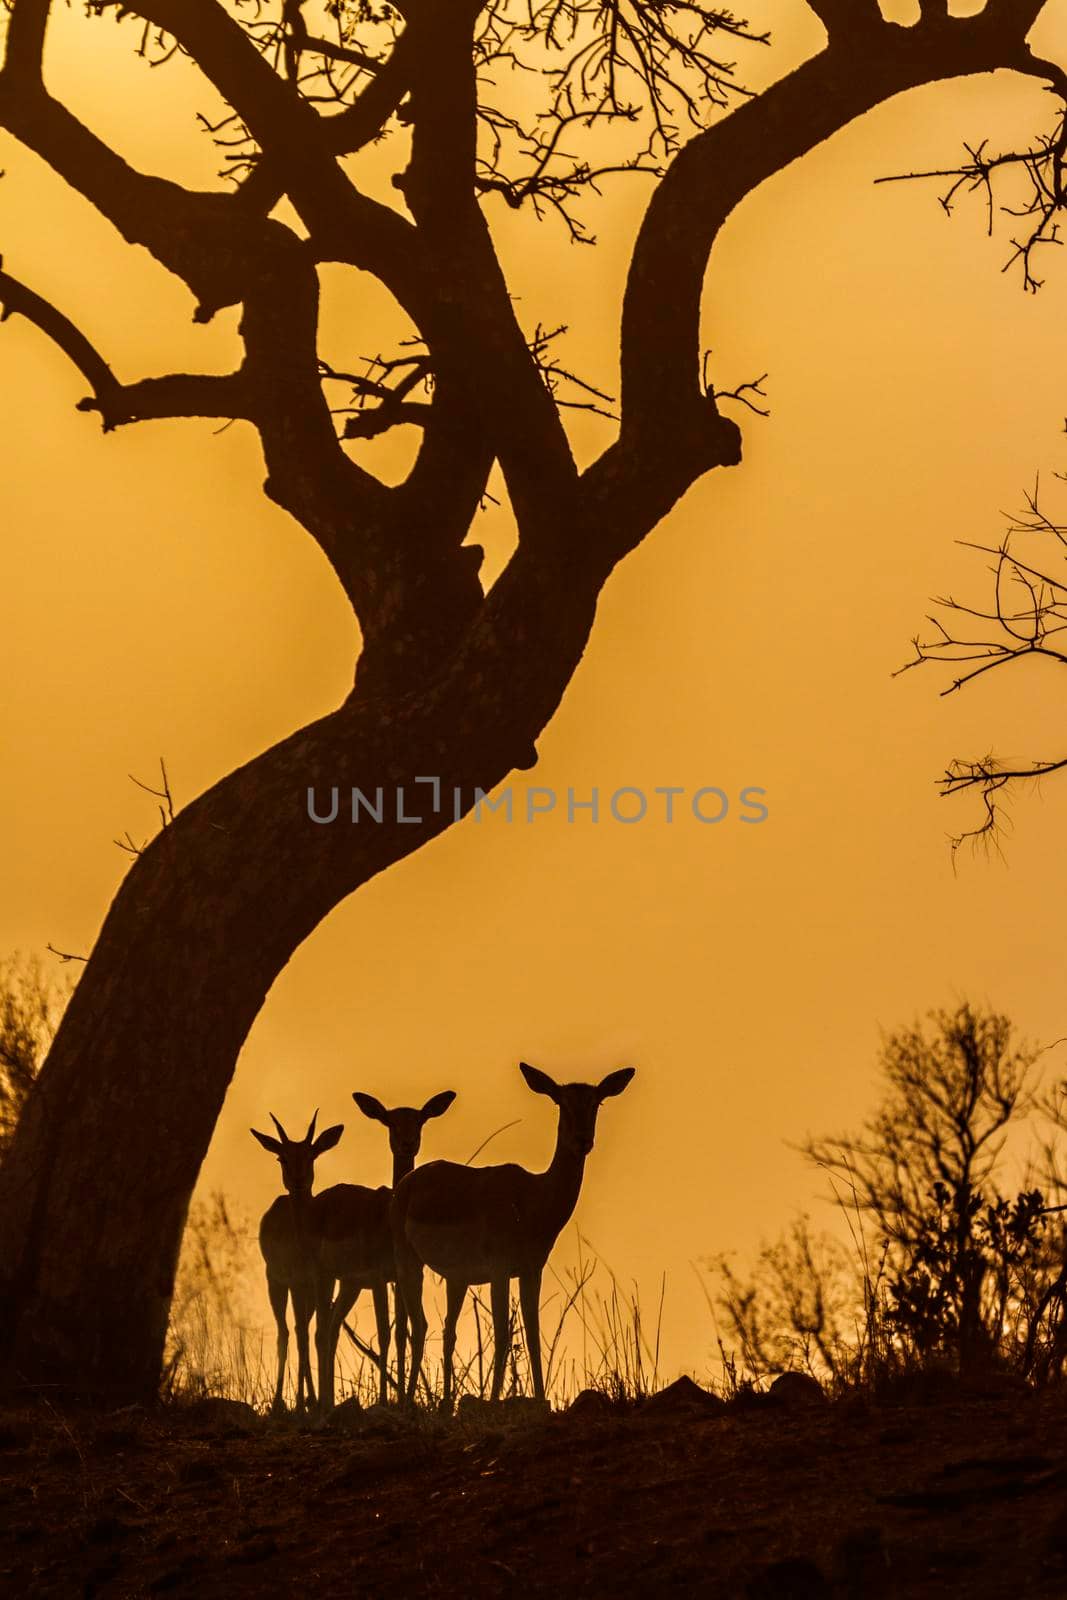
(796, 1389)
(591, 1403)
(215, 1411)
(376, 1412)
(346, 1417)
(386, 1427)
(524, 1408)
(516, 1408)
(684, 1395)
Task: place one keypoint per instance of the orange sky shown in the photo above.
(157, 604)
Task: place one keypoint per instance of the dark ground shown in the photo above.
(960, 1495)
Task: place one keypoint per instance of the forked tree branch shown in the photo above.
(490, 400)
(671, 431)
(346, 224)
(224, 252)
(475, 337)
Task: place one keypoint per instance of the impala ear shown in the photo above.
(371, 1107)
(437, 1104)
(539, 1081)
(615, 1082)
(327, 1138)
(266, 1141)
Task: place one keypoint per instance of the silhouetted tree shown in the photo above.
(452, 681)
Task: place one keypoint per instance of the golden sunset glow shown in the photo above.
(157, 604)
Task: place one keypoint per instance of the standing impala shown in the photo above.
(477, 1225)
(355, 1242)
(287, 1241)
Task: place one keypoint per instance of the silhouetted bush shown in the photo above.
(946, 1269)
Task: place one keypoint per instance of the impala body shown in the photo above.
(354, 1241)
(475, 1225)
(287, 1244)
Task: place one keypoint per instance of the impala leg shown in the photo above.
(279, 1299)
(347, 1295)
(455, 1289)
(498, 1300)
(303, 1307)
(409, 1282)
(381, 1312)
(329, 1314)
(401, 1338)
(530, 1299)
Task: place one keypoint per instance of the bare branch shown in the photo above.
(178, 395)
(1026, 619)
(65, 955)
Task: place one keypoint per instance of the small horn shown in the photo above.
(281, 1131)
(311, 1126)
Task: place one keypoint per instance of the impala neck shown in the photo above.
(402, 1165)
(563, 1182)
(300, 1205)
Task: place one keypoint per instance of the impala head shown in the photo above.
(405, 1123)
(298, 1156)
(578, 1103)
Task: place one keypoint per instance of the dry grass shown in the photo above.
(594, 1333)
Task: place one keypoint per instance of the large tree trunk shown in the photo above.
(95, 1189)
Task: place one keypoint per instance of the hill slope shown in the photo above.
(962, 1496)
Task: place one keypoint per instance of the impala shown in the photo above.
(355, 1244)
(287, 1242)
(476, 1225)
